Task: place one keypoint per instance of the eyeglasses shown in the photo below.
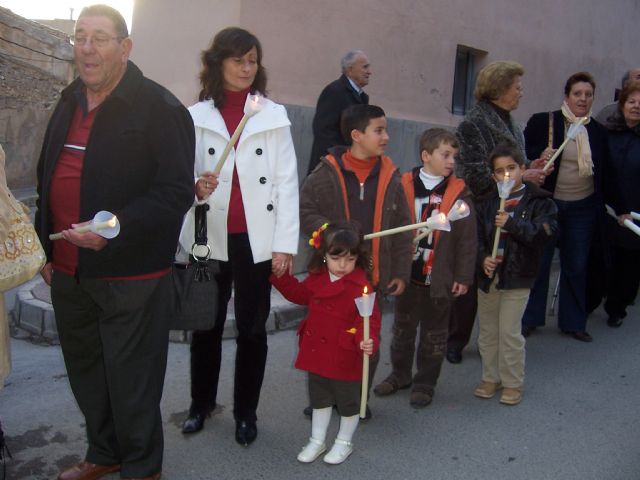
(97, 41)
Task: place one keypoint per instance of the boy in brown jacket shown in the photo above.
(443, 268)
(357, 182)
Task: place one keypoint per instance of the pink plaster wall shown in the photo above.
(411, 45)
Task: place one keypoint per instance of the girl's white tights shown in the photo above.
(320, 423)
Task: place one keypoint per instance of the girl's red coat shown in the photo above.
(330, 335)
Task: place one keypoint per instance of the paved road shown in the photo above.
(578, 420)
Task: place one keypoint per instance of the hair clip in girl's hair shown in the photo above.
(316, 237)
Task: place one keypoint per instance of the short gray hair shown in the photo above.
(349, 59)
(100, 10)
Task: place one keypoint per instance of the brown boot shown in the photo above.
(389, 386)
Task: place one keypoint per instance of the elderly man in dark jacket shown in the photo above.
(338, 95)
(118, 142)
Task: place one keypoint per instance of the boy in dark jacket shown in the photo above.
(527, 222)
(442, 270)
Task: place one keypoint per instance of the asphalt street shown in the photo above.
(578, 420)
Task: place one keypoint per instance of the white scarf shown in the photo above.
(585, 162)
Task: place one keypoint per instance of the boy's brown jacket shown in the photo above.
(455, 251)
(323, 198)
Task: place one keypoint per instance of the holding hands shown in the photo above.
(281, 263)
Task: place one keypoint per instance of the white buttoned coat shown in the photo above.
(267, 170)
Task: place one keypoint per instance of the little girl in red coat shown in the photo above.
(331, 337)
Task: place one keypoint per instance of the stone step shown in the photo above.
(33, 315)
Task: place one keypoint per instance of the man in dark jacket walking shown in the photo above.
(119, 142)
(338, 95)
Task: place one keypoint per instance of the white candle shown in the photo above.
(438, 222)
(365, 309)
(504, 189)
(572, 133)
(104, 224)
(252, 106)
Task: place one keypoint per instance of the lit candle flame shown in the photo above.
(442, 218)
(364, 292)
(112, 222)
(506, 177)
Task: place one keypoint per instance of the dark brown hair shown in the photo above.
(625, 93)
(230, 42)
(432, 138)
(579, 77)
(343, 238)
(357, 117)
(506, 150)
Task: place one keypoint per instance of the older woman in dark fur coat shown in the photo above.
(489, 123)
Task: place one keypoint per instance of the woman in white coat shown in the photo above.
(252, 223)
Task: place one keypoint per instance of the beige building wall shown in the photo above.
(411, 45)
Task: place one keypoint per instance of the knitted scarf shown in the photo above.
(585, 162)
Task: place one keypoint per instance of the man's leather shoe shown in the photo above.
(528, 330)
(579, 335)
(614, 321)
(87, 471)
(246, 433)
(454, 356)
(193, 423)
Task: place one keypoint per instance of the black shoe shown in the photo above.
(193, 423)
(308, 411)
(367, 415)
(581, 336)
(614, 321)
(246, 433)
(528, 330)
(454, 356)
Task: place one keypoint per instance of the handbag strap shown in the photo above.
(203, 253)
(550, 144)
(200, 224)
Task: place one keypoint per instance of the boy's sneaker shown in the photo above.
(389, 386)
(487, 389)
(339, 452)
(511, 396)
(311, 451)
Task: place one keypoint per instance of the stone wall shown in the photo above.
(35, 65)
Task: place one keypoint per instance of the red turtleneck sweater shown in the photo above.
(232, 113)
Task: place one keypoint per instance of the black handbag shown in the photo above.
(194, 284)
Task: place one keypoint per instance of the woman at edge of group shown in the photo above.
(489, 123)
(623, 195)
(576, 183)
(252, 223)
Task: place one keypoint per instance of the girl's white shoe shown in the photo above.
(339, 452)
(311, 451)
